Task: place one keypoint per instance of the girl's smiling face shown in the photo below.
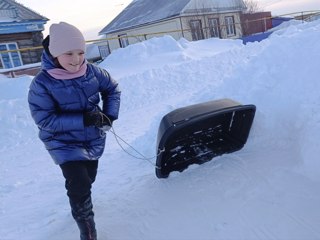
(71, 60)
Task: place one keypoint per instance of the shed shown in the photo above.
(257, 22)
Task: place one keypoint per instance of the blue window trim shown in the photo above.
(10, 59)
(20, 27)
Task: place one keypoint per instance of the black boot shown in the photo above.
(84, 217)
(87, 229)
(79, 177)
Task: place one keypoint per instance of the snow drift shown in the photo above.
(268, 190)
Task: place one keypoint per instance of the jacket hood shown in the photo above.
(47, 61)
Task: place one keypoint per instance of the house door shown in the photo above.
(196, 30)
(104, 50)
(123, 40)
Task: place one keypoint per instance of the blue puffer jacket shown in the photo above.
(57, 107)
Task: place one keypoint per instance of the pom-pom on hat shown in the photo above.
(65, 37)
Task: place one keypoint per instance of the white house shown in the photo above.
(191, 19)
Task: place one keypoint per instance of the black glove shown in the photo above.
(97, 119)
(107, 123)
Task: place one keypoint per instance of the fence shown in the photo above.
(303, 16)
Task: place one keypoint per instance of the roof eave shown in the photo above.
(164, 19)
(140, 25)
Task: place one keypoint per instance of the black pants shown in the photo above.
(79, 177)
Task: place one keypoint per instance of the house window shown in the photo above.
(214, 27)
(196, 30)
(10, 59)
(123, 40)
(230, 26)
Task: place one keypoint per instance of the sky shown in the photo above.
(267, 190)
(279, 7)
(91, 18)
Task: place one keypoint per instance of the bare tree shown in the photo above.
(252, 6)
(196, 20)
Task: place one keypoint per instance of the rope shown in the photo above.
(117, 138)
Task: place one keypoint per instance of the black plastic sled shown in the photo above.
(195, 134)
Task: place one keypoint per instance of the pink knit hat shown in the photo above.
(65, 37)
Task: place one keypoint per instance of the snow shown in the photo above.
(92, 51)
(144, 11)
(141, 12)
(26, 66)
(216, 5)
(6, 19)
(267, 190)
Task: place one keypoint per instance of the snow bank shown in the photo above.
(268, 190)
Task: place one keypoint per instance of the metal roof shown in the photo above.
(13, 11)
(141, 12)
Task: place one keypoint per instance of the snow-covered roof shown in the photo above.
(144, 11)
(214, 6)
(10, 9)
(6, 19)
(140, 12)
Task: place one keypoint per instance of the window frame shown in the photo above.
(196, 29)
(214, 27)
(230, 26)
(10, 59)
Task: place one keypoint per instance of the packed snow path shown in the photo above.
(268, 190)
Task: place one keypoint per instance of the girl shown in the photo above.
(64, 103)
